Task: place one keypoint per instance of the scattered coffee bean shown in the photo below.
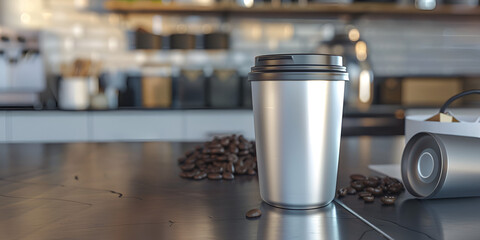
(358, 185)
(377, 191)
(231, 154)
(388, 200)
(368, 199)
(254, 213)
(364, 194)
(371, 183)
(370, 189)
(342, 192)
(367, 188)
(214, 176)
(357, 177)
(228, 176)
(351, 191)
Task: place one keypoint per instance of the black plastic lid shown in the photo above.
(301, 67)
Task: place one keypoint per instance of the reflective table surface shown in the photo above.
(409, 218)
(133, 191)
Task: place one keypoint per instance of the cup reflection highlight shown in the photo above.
(312, 224)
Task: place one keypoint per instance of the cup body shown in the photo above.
(297, 131)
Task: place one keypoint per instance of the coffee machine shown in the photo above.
(22, 72)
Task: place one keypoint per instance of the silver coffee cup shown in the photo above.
(298, 106)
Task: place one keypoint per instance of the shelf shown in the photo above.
(315, 9)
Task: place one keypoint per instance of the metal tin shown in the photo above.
(298, 115)
(441, 166)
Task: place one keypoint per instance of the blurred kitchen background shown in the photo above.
(135, 70)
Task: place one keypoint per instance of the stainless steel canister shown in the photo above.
(441, 166)
(298, 105)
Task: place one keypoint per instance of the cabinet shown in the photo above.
(137, 126)
(47, 126)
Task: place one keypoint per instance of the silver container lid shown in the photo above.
(424, 165)
(298, 67)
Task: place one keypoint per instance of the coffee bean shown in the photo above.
(342, 192)
(233, 149)
(200, 176)
(243, 153)
(189, 174)
(368, 199)
(358, 185)
(187, 167)
(215, 169)
(377, 191)
(228, 176)
(240, 169)
(230, 168)
(232, 158)
(217, 163)
(251, 172)
(371, 182)
(254, 213)
(393, 190)
(357, 177)
(214, 176)
(397, 185)
(222, 158)
(214, 145)
(364, 194)
(183, 175)
(351, 191)
(190, 159)
(388, 200)
(242, 146)
(370, 189)
(225, 141)
(217, 150)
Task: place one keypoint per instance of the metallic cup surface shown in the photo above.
(298, 106)
(441, 166)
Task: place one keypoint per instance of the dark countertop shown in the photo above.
(132, 191)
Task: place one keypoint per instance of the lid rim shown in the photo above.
(298, 66)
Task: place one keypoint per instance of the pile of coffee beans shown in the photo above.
(221, 158)
(369, 188)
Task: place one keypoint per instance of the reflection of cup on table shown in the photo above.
(312, 224)
(298, 106)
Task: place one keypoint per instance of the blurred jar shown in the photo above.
(157, 86)
(190, 88)
(224, 88)
(347, 43)
(73, 93)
